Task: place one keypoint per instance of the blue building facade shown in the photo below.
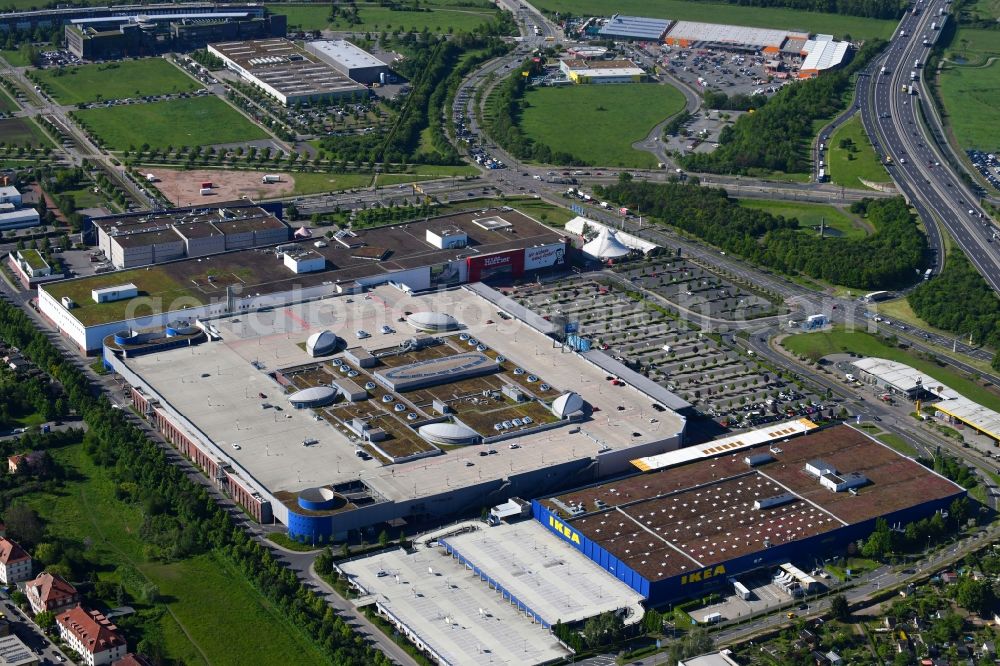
(696, 583)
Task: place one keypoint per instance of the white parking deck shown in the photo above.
(446, 607)
(547, 575)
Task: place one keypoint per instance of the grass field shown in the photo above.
(21, 132)
(810, 215)
(198, 121)
(115, 80)
(898, 443)
(14, 57)
(686, 10)
(971, 95)
(985, 9)
(598, 132)
(206, 598)
(155, 284)
(7, 104)
(848, 166)
(443, 18)
(838, 340)
(973, 45)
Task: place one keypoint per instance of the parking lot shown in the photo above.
(986, 164)
(57, 58)
(731, 73)
(697, 289)
(720, 381)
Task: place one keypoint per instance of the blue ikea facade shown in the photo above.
(695, 583)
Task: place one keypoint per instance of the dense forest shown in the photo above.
(959, 300)
(888, 258)
(776, 137)
(178, 511)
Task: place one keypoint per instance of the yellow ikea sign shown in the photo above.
(703, 575)
(563, 529)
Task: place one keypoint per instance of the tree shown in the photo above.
(652, 621)
(324, 562)
(46, 620)
(839, 608)
(24, 524)
(974, 595)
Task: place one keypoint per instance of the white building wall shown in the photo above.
(15, 572)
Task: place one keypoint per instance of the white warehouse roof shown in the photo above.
(725, 445)
(693, 32)
(902, 377)
(823, 54)
(345, 53)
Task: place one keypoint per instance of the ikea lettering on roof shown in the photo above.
(563, 529)
(703, 575)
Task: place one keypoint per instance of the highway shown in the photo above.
(896, 122)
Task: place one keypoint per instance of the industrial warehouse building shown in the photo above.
(139, 239)
(148, 33)
(352, 61)
(602, 71)
(950, 405)
(502, 243)
(634, 28)
(286, 72)
(697, 35)
(704, 514)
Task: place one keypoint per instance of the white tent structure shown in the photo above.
(606, 246)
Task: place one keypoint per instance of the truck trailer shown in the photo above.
(270, 178)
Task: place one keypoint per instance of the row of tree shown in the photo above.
(503, 123)
(776, 137)
(960, 301)
(716, 99)
(888, 258)
(131, 457)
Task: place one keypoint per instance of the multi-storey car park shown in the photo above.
(441, 251)
(417, 419)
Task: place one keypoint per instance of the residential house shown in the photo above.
(15, 563)
(91, 635)
(834, 659)
(49, 592)
(33, 462)
(132, 659)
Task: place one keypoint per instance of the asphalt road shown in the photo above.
(896, 121)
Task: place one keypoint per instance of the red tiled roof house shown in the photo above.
(91, 635)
